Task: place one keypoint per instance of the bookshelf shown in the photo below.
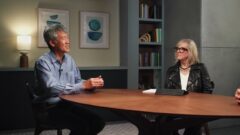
(141, 55)
(150, 46)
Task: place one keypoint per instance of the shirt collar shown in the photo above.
(53, 57)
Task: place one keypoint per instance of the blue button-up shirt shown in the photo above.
(54, 78)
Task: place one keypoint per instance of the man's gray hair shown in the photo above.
(50, 33)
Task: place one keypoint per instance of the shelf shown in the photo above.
(143, 42)
(149, 68)
(150, 20)
(151, 43)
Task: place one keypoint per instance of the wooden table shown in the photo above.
(193, 109)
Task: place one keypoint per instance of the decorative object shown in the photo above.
(94, 30)
(47, 17)
(24, 45)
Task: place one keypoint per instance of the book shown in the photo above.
(141, 63)
(146, 59)
(146, 10)
(152, 62)
(141, 10)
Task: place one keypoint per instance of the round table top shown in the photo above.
(193, 104)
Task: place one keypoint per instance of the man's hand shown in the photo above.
(93, 83)
(237, 95)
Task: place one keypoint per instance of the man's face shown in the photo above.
(61, 44)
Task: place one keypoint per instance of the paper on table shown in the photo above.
(149, 91)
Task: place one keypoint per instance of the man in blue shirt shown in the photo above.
(57, 74)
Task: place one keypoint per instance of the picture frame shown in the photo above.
(94, 29)
(48, 17)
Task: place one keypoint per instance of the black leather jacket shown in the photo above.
(198, 81)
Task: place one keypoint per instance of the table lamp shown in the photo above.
(23, 45)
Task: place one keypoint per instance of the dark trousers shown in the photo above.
(77, 119)
(194, 130)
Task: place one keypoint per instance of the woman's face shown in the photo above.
(182, 52)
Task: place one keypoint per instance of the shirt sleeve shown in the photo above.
(49, 82)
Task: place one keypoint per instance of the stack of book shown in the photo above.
(147, 59)
(149, 9)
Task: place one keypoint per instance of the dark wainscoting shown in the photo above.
(16, 113)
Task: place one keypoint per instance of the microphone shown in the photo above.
(60, 71)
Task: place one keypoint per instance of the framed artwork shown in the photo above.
(94, 30)
(47, 17)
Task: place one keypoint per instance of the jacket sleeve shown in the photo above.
(207, 84)
(166, 84)
(171, 80)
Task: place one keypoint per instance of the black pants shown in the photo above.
(77, 119)
(194, 130)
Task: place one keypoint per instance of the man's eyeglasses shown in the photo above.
(180, 49)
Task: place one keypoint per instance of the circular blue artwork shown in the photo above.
(94, 24)
(95, 36)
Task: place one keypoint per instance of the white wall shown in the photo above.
(16, 15)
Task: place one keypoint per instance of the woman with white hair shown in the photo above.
(188, 74)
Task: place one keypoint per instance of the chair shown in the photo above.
(42, 121)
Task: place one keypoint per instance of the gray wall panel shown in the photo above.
(220, 23)
(182, 20)
(221, 48)
(224, 68)
(221, 42)
(214, 25)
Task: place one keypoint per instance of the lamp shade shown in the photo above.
(24, 42)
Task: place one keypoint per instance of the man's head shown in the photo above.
(57, 39)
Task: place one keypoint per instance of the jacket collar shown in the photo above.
(193, 67)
